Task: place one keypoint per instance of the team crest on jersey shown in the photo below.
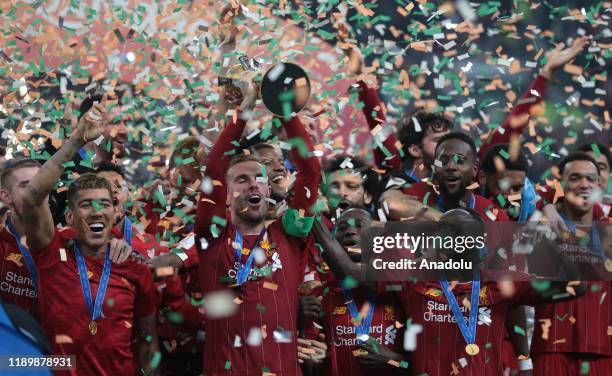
(483, 297)
(389, 312)
(434, 292)
(16, 258)
(339, 310)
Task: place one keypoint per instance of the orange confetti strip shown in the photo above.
(62, 338)
(545, 323)
(270, 286)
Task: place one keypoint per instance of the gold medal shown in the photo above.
(608, 265)
(93, 328)
(472, 349)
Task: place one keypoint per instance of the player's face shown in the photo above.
(273, 159)
(247, 191)
(116, 132)
(604, 169)
(92, 217)
(457, 168)
(12, 196)
(346, 186)
(348, 230)
(581, 179)
(120, 191)
(428, 146)
(507, 183)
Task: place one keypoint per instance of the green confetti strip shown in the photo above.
(519, 330)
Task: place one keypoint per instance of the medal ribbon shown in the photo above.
(364, 327)
(468, 331)
(127, 231)
(94, 308)
(27, 256)
(243, 271)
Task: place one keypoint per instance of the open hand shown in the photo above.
(559, 56)
(93, 123)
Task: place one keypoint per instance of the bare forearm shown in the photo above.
(44, 181)
(335, 256)
(402, 206)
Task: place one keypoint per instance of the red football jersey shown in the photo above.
(65, 316)
(268, 305)
(340, 333)
(16, 283)
(583, 325)
(440, 347)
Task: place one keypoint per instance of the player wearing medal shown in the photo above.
(262, 265)
(355, 320)
(88, 307)
(18, 277)
(461, 315)
(180, 353)
(573, 336)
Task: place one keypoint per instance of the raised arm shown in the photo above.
(334, 255)
(517, 120)
(298, 219)
(386, 154)
(36, 212)
(212, 200)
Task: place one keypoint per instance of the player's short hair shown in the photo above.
(84, 182)
(105, 166)
(457, 136)
(9, 168)
(409, 134)
(355, 208)
(337, 164)
(602, 148)
(185, 149)
(576, 156)
(487, 165)
(241, 158)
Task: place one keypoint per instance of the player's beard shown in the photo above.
(253, 218)
(278, 195)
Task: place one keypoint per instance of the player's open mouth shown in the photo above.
(343, 205)
(254, 199)
(96, 227)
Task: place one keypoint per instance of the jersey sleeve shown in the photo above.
(212, 204)
(533, 96)
(52, 253)
(146, 294)
(298, 219)
(386, 154)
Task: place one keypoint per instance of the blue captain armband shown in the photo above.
(296, 225)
